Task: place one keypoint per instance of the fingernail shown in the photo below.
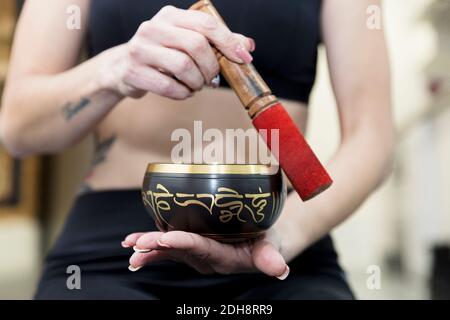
(244, 54)
(134, 269)
(163, 244)
(136, 249)
(252, 44)
(285, 274)
(215, 82)
(124, 244)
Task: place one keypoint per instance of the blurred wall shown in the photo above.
(22, 243)
(395, 228)
(66, 173)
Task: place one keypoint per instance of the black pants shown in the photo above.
(99, 221)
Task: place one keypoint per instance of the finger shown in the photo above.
(196, 46)
(193, 43)
(131, 239)
(141, 258)
(204, 254)
(169, 60)
(138, 260)
(214, 30)
(151, 80)
(200, 247)
(148, 241)
(269, 260)
(249, 42)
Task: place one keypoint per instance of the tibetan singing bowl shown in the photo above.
(228, 203)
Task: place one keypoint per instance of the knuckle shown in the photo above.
(209, 22)
(143, 26)
(134, 49)
(167, 88)
(198, 44)
(167, 10)
(191, 241)
(183, 65)
(147, 27)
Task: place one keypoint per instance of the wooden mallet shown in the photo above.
(304, 170)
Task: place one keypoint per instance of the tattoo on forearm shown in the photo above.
(70, 110)
(102, 148)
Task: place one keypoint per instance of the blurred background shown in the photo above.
(403, 229)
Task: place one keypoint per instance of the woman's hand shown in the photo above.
(208, 256)
(170, 55)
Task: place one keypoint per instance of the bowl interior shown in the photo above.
(239, 169)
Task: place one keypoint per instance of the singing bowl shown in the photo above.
(228, 203)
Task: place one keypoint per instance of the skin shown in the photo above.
(121, 95)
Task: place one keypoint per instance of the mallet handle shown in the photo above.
(249, 86)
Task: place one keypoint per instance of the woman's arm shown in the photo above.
(49, 104)
(39, 89)
(359, 70)
(360, 78)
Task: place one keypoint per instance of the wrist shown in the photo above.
(292, 241)
(296, 233)
(107, 68)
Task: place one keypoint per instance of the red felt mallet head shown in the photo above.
(298, 161)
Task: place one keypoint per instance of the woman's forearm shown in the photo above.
(361, 163)
(169, 55)
(46, 113)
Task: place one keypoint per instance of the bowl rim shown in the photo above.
(185, 168)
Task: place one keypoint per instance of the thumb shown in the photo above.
(269, 260)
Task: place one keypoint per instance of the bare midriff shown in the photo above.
(137, 132)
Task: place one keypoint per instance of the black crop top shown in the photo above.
(287, 33)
